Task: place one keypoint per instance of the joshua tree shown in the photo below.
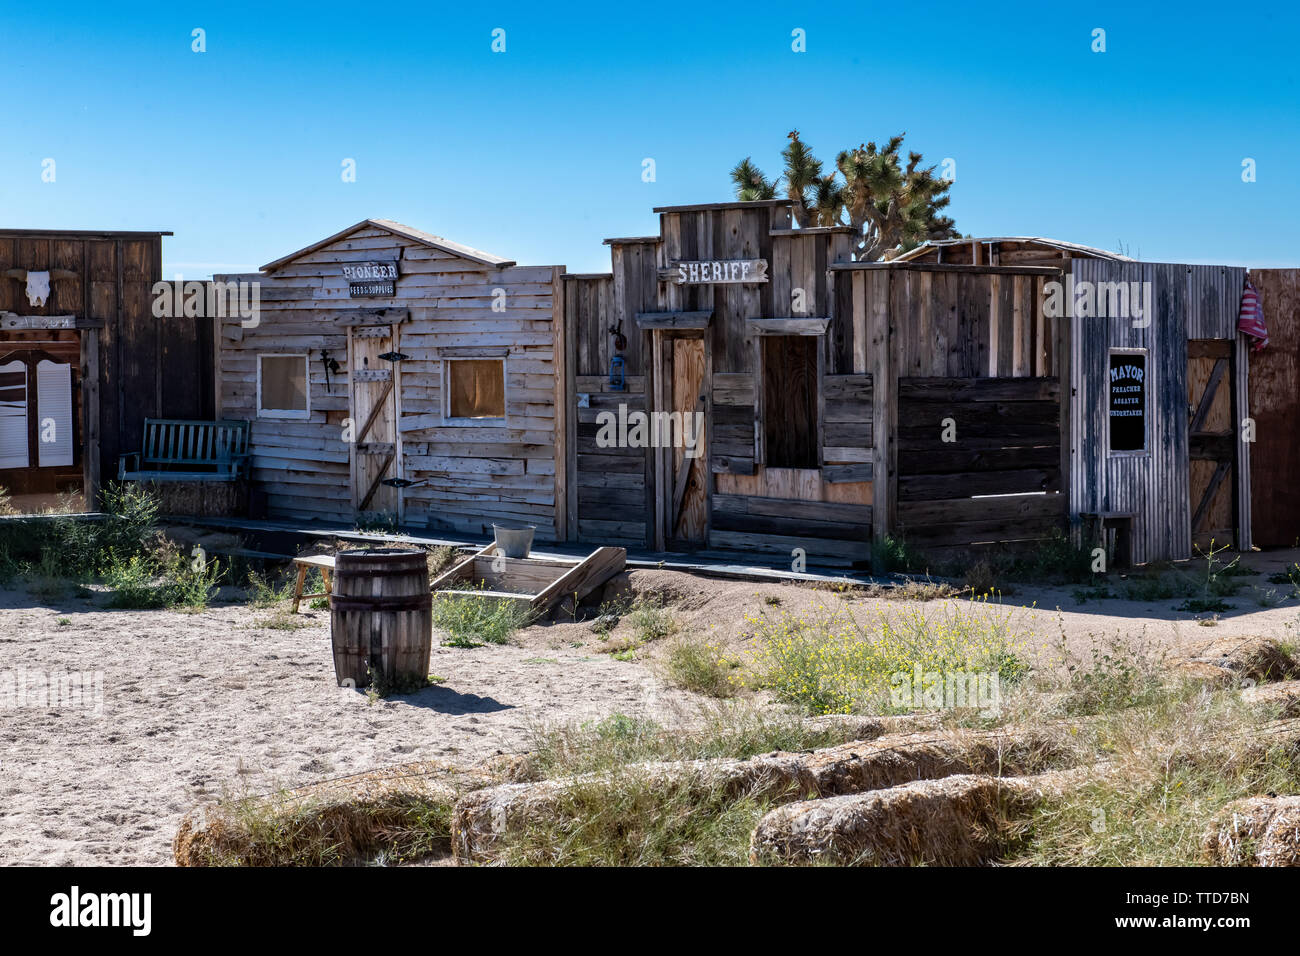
(890, 207)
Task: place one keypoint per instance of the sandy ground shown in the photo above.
(196, 706)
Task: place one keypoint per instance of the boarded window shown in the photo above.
(282, 386)
(1127, 388)
(476, 388)
(790, 400)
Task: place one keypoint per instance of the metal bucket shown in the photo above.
(514, 542)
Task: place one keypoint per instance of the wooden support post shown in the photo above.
(884, 402)
(1240, 412)
(564, 395)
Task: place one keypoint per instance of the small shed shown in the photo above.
(84, 360)
(1005, 251)
(393, 374)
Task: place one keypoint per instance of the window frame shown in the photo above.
(493, 422)
(284, 414)
(1145, 450)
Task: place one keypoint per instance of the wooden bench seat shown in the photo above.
(182, 450)
(325, 564)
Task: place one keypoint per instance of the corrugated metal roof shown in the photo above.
(1090, 251)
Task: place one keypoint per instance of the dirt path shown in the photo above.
(195, 706)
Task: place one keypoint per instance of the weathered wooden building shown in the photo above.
(966, 395)
(1160, 339)
(816, 378)
(84, 360)
(396, 373)
(1005, 251)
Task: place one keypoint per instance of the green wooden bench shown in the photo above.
(179, 450)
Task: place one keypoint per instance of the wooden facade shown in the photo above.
(816, 380)
(386, 429)
(953, 396)
(93, 353)
(1191, 483)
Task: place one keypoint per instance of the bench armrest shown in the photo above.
(131, 458)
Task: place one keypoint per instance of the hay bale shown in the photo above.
(1205, 672)
(403, 811)
(954, 821)
(1283, 697)
(869, 728)
(1257, 831)
(481, 819)
(1242, 658)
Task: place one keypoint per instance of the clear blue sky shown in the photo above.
(536, 153)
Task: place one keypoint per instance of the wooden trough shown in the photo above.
(539, 583)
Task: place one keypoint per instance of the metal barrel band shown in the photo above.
(387, 603)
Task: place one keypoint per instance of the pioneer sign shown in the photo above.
(369, 271)
(715, 271)
(375, 278)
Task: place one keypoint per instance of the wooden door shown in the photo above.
(684, 490)
(376, 451)
(1275, 408)
(1211, 442)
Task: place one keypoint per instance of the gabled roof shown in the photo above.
(1090, 251)
(406, 232)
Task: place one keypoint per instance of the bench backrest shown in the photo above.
(176, 441)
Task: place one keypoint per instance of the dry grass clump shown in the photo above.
(829, 662)
(700, 666)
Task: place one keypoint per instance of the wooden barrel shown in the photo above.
(381, 616)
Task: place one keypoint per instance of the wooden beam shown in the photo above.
(884, 406)
(1215, 480)
(593, 571)
(379, 476)
(673, 320)
(561, 398)
(1207, 397)
(814, 326)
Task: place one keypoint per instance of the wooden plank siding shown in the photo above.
(978, 462)
(472, 474)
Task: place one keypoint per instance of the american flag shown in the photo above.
(1251, 317)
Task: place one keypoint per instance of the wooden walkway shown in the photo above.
(709, 563)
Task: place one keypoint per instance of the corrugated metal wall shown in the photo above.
(1188, 302)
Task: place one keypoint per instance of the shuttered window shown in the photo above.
(13, 415)
(54, 404)
(476, 388)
